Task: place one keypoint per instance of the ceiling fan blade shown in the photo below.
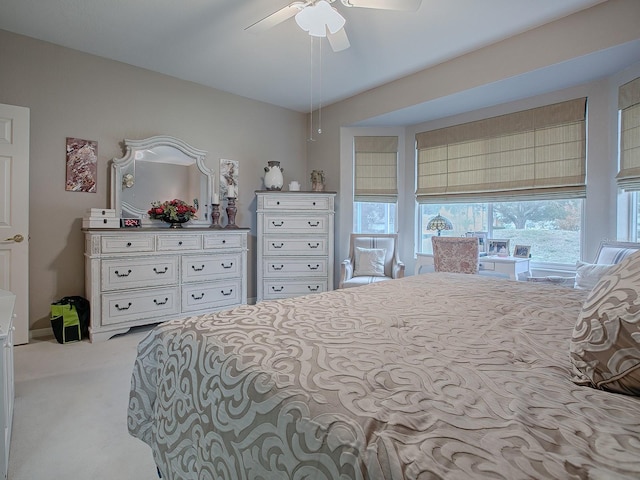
(338, 40)
(275, 18)
(401, 5)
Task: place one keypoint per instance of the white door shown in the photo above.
(14, 213)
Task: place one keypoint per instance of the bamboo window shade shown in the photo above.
(531, 154)
(628, 177)
(375, 169)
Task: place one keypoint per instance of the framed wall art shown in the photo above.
(228, 178)
(81, 165)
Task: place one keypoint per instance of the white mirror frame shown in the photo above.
(122, 177)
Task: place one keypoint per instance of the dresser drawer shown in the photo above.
(294, 224)
(289, 245)
(287, 267)
(118, 274)
(211, 295)
(129, 244)
(283, 289)
(227, 240)
(297, 202)
(179, 242)
(483, 265)
(137, 304)
(198, 268)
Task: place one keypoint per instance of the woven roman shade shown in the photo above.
(533, 154)
(375, 169)
(628, 177)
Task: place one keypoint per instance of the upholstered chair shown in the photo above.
(372, 258)
(455, 254)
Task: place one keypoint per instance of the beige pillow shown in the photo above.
(369, 262)
(605, 345)
(588, 274)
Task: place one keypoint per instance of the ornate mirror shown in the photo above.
(158, 169)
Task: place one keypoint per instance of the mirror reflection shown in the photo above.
(157, 169)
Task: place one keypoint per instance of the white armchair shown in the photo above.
(372, 258)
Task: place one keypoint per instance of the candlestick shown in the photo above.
(215, 216)
(231, 212)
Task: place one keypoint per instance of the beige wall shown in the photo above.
(609, 24)
(71, 94)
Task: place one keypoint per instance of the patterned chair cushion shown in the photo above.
(369, 262)
(605, 345)
(455, 254)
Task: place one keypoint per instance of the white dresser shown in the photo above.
(295, 243)
(7, 300)
(143, 276)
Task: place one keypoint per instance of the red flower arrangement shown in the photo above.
(172, 211)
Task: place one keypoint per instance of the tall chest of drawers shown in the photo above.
(295, 243)
(144, 276)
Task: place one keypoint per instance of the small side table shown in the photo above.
(513, 267)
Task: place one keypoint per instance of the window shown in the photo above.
(372, 217)
(519, 176)
(550, 227)
(375, 184)
(628, 177)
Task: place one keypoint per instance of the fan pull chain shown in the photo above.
(320, 91)
(311, 139)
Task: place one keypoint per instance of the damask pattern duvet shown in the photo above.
(430, 376)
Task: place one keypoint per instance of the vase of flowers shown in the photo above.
(175, 212)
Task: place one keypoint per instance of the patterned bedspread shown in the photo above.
(430, 376)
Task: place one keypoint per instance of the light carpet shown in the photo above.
(70, 414)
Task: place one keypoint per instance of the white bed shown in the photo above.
(431, 376)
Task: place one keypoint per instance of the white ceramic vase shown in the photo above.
(273, 179)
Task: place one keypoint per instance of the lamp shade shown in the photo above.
(439, 223)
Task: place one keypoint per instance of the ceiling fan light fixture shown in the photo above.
(317, 19)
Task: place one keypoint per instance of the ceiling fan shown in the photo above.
(320, 19)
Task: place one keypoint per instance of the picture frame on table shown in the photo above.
(482, 240)
(522, 251)
(498, 246)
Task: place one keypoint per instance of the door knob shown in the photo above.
(16, 238)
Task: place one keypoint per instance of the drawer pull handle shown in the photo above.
(180, 243)
(118, 307)
(196, 269)
(313, 289)
(224, 241)
(277, 268)
(313, 246)
(122, 274)
(277, 203)
(316, 224)
(277, 289)
(277, 246)
(313, 268)
(166, 299)
(228, 293)
(128, 244)
(226, 266)
(198, 298)
(314, 204)
(166, 269)
(279, 224)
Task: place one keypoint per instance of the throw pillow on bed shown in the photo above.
(369, 262)
(605, 345)
(588, 274)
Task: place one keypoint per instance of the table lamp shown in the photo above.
(439, 223)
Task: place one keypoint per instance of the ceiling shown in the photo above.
(205, 41)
